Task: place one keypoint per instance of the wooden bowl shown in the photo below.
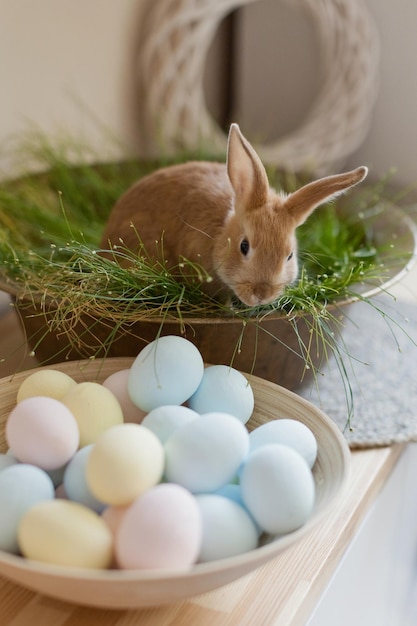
(271, 348)
(140, 588)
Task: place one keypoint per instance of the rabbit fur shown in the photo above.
(223, 217)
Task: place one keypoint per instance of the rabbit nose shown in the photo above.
(263, 293)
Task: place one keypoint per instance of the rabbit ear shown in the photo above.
(246, 172)
(301, 203)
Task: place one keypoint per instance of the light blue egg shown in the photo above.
(287, 432)
(228, 530)
(278, 488)
(167, 371)
(164, 420)
(205, 454)
(233, 491)
(21, 487)
(226, 390)
(75, 481)
(6, 460)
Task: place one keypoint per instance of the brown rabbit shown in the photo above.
(224, 217)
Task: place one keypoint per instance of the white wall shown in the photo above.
(281, 64)
(392, 140)
(69, 67)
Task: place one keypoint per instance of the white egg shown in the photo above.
(223, 389)
(278, 488)
(206, 453)
(167, 371)
(164, 420)
(288, 432)
(228, 530)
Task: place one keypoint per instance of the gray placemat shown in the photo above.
(382, 372)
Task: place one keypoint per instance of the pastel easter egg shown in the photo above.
(21, 487)
(45, 382)
(125, 461)
(167, 371)
(233, 491)
(113, 516)
(288, 432)
(164, 420)
(228, 529)
(161, 529)
(65, 533)
(95, 409)
(206, 453)
(6, 460)
(223, 389)
(278, 488)
(75, 481)
(118, 385)
(42, 431)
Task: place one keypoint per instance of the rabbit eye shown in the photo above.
(244, 247)
(290, 256)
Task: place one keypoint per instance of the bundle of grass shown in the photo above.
(75, 302)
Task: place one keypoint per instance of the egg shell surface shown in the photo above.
(42, 431)
(234, 492)
(278, 488)
(224, 389)
(206, 453)
(65, 533)
(228, 530)
(21, 487)
(167, 371)
(164, 420)
(126, 460)
(6, 460)
(46, 382)
(117, 383)
(113, 516)
(288, 432)
(161, 529)
(95, 409)
(75, 481)
(57, 475)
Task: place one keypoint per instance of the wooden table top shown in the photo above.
(283, 592)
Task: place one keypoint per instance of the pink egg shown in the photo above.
(42, 431)
(117, 384)
(113, 516)
(161, 529)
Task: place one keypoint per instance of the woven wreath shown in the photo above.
(172, 58)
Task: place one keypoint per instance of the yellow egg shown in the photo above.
(49, 383)
(126, 461)
(65, 533)
(95, 408)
